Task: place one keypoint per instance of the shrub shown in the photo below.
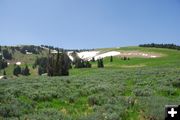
(72, 99)
(142, 91)
(17, 70)
(9, 110)
(176, 83)
(93, 100)
(25, 71)
(46, 114)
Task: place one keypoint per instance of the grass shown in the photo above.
(137, 89)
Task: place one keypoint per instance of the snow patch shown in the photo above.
(18, 63)
(107, 54)
(1, 77)
(87, 55)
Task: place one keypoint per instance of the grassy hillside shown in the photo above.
(136, 89)
(25, 59)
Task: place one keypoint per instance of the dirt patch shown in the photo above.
(139, 54)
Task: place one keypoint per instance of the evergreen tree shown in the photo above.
(100, 63)
(58, 65)
(25, 71)
(50, 65)
(111, 59)
(125, 58)
(40, 70)
(17, 70)
(3, 64)
(4, 72)
(93, 59)
(65, 64)
(42, 64)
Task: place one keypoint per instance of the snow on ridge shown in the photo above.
(87, 55)
(107, 54)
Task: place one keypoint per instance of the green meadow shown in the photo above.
(135, 89)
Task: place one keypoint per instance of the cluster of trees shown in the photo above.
(54, 65)
(31, 48)
(52, 48)
(58, 64)
(82, 64)
(23, 71)
(66, 50)
(6, 54)
(169, 46)
(100, 63)
(3, 63)
(42, 65)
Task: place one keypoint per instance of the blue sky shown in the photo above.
(89, 23)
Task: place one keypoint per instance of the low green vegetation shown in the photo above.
(135, 89)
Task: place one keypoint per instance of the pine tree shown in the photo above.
(93, 59)
(25, 71)
(100, 63)
(40, 70)
(4, 72)
(3, 64)
(17, 70)
(50, 65)
(65, 64)
(111, 59)
(57, 67)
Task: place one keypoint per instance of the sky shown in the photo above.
(89, 23)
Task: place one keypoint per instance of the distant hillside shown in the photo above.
(139, 56)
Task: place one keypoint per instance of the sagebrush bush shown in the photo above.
(142, 91)
(93, 100)
(97, 94)
(176, 83)
(46, 114)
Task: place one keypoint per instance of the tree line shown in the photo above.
(169, 46)
(66, 50)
